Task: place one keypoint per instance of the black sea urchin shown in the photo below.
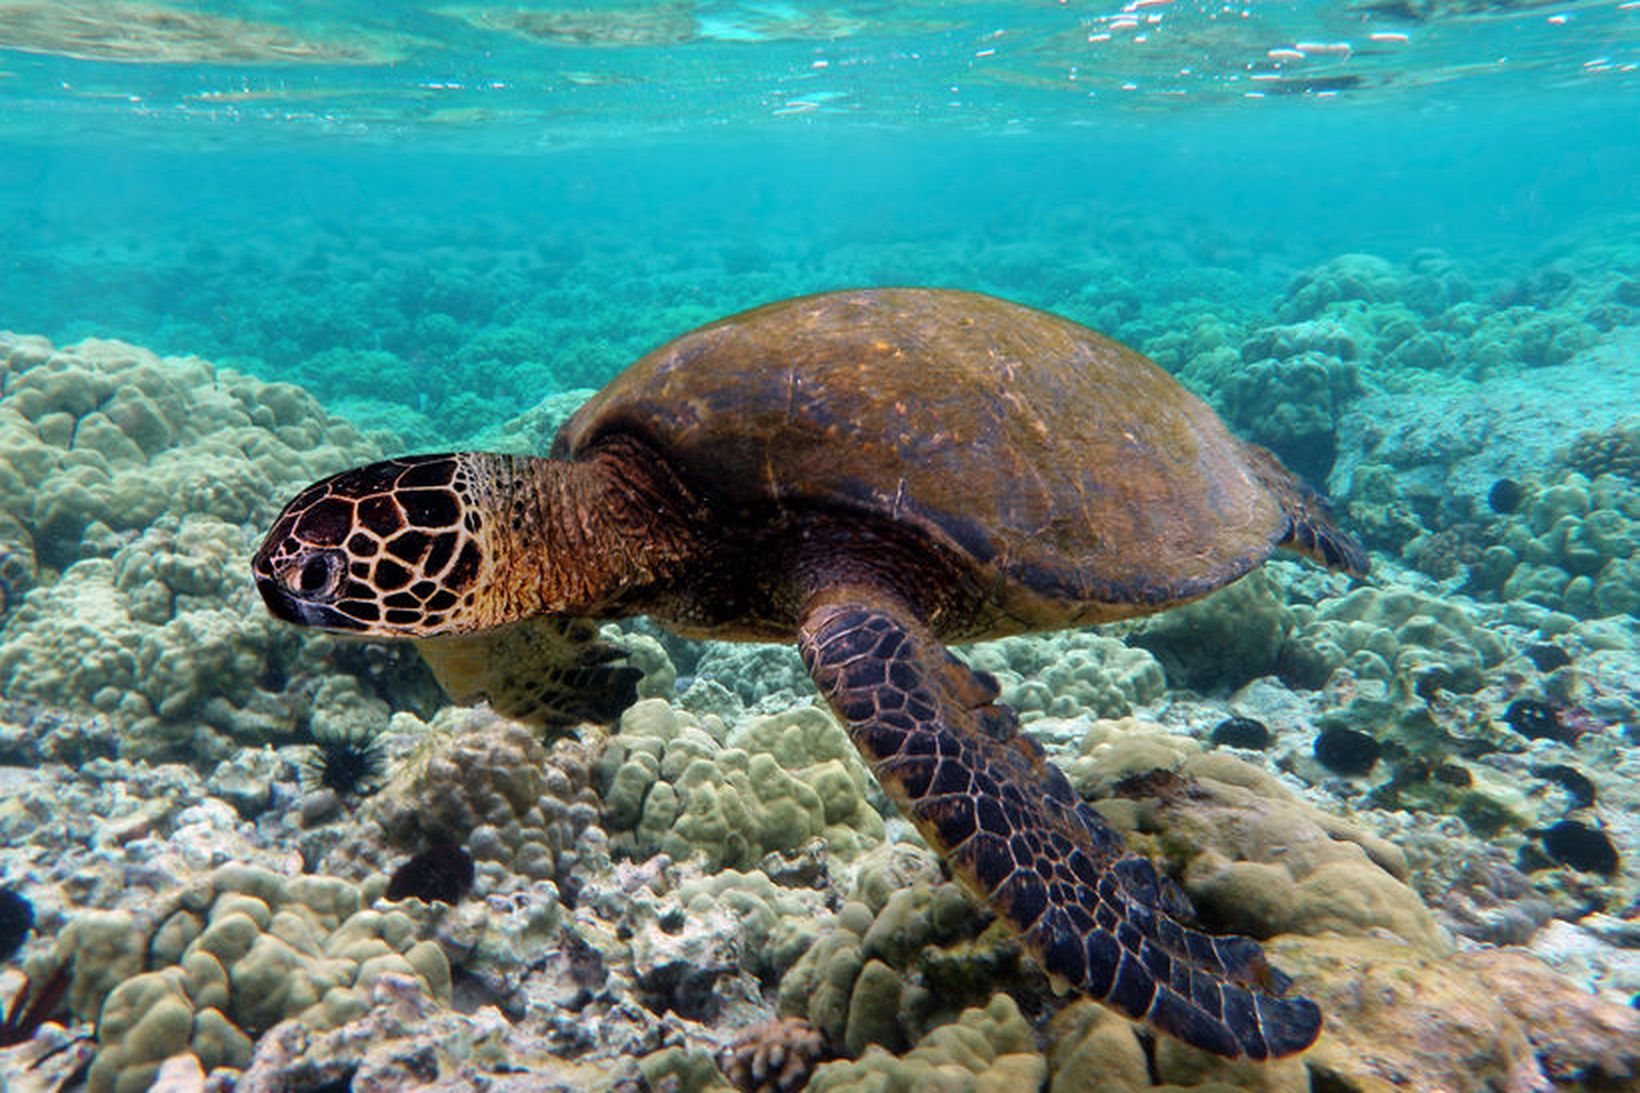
(350, 763)
(1241, 732)
(1346, 751)
(16, 920)
(443, 872)
(1580, 846)
(1537, 721)
(1505, 496)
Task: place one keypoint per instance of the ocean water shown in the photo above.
(1397, 243)
(703, 158)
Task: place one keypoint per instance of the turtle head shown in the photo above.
(402, 548)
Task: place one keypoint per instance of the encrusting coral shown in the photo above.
(1222, 641)
(1070, 673)
(1608, 451)
(902, 980)
(887, 975)
(1250, 854)
(984, 1049)
(1385, 633)
(1575, 547)
(1292, 403)
(1423, 319)
(475, 779)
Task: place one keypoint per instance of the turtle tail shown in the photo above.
(1309, 528)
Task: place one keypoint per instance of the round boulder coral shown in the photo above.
(235, 955)
(131, 491)
(681, 785)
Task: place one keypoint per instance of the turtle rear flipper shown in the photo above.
(552, 671)
(1309, 527)
(1014, 831)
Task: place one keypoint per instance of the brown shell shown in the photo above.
(1066, 464)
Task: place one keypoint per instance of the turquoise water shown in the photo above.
(622, 172)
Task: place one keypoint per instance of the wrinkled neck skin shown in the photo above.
(584, 536)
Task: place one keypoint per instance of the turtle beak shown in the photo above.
(283, 605)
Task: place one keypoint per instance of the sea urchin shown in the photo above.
(351, 763)
(16, 921)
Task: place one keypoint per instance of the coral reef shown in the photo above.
(989, 1048)
(1329, 899)
(238, 953)
(1615, 450)
(1425, 319)
(901, 979)
(1443, 1022)
(760, 677)
(1479, 483)
(1575, 548)
(1292, 402)
(1070, 673)
(1399, 647)
(105, 435)
(477, 780)
(677, 785)
(1565, 542)
(135, 486)
(641, 899)
(1252, 856)
(1232, 636)
(1348, 278)
(888, 975)
(407, 1039)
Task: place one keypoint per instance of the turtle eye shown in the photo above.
(316, 576)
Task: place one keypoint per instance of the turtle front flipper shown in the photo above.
(552, 671)
(1014, 831)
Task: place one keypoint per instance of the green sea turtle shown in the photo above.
(872, 473)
